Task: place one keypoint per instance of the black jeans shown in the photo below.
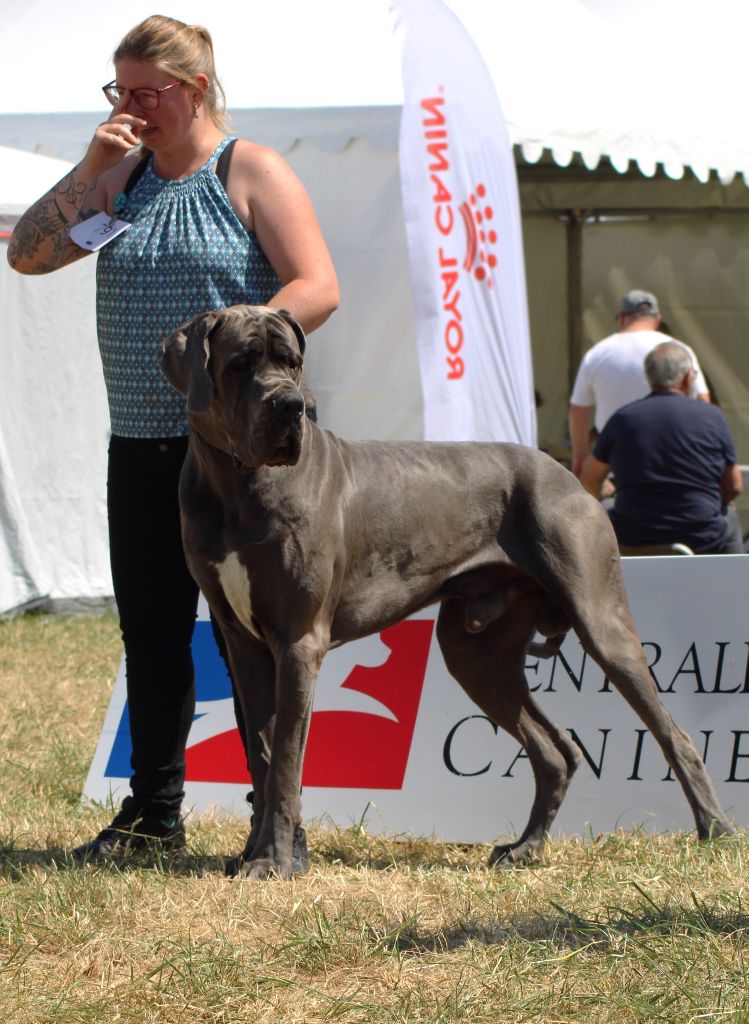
(157, 603)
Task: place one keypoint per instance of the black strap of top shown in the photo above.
(136, 174)
(222, 164)
(222, 169)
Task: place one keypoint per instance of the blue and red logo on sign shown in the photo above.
(362, 725)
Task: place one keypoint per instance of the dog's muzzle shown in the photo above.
(287, 408)
(285, 428)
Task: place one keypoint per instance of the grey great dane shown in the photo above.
(302, 541)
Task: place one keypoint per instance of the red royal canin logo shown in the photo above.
(363, 724)
(458, 253)
(481, 237)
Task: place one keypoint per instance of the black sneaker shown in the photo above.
(131, 831)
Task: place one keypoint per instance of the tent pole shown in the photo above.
(575, 222)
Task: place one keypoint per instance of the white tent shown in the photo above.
(53, 418)
(637, 80)
(53, 414)
(23, 178)
(571, 79)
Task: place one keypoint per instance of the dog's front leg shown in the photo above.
(254, 675)
(296, 673)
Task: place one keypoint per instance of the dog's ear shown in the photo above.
(183, 358)
(302, 341)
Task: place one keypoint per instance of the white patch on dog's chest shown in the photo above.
(235, 583)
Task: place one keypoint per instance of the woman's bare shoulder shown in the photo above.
(253, 158)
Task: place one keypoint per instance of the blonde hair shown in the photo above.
(181, 50)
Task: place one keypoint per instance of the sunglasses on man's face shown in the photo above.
(147, 99)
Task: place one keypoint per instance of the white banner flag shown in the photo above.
(462, 216)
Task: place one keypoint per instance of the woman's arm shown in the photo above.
(271, 200)
(40, 242)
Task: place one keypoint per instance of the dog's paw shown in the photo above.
(262, 868)
(234, 864)
(513, 855)
(716, 829)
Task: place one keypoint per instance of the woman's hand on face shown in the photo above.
(113, 139)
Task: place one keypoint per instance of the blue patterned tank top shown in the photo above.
(186, 252)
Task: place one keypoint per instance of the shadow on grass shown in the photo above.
(15, 862)
(382, 854)
(568, 931)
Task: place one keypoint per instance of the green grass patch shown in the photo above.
(619, 928)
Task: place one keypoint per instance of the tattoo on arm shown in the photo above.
(73, 190)
(41, 221)
(47, 221)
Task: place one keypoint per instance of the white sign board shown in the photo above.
(395, 741)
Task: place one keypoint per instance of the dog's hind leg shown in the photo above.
(554, 757)
(612, 641)
(591, 594)
(490, 666)
(605, 627)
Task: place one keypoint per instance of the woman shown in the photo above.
(193, 244)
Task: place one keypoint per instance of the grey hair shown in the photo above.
(666, 365)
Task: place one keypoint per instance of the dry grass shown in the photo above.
(622, 928)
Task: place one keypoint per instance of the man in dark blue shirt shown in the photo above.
(674, 464)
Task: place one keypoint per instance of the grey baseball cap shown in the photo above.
(638, 301)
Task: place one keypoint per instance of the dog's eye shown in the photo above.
(293, 361)
(242, 366)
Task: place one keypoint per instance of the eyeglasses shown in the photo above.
(147, 99)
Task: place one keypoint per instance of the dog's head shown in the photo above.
(241, 371)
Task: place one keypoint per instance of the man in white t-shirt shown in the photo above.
(612, 373)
